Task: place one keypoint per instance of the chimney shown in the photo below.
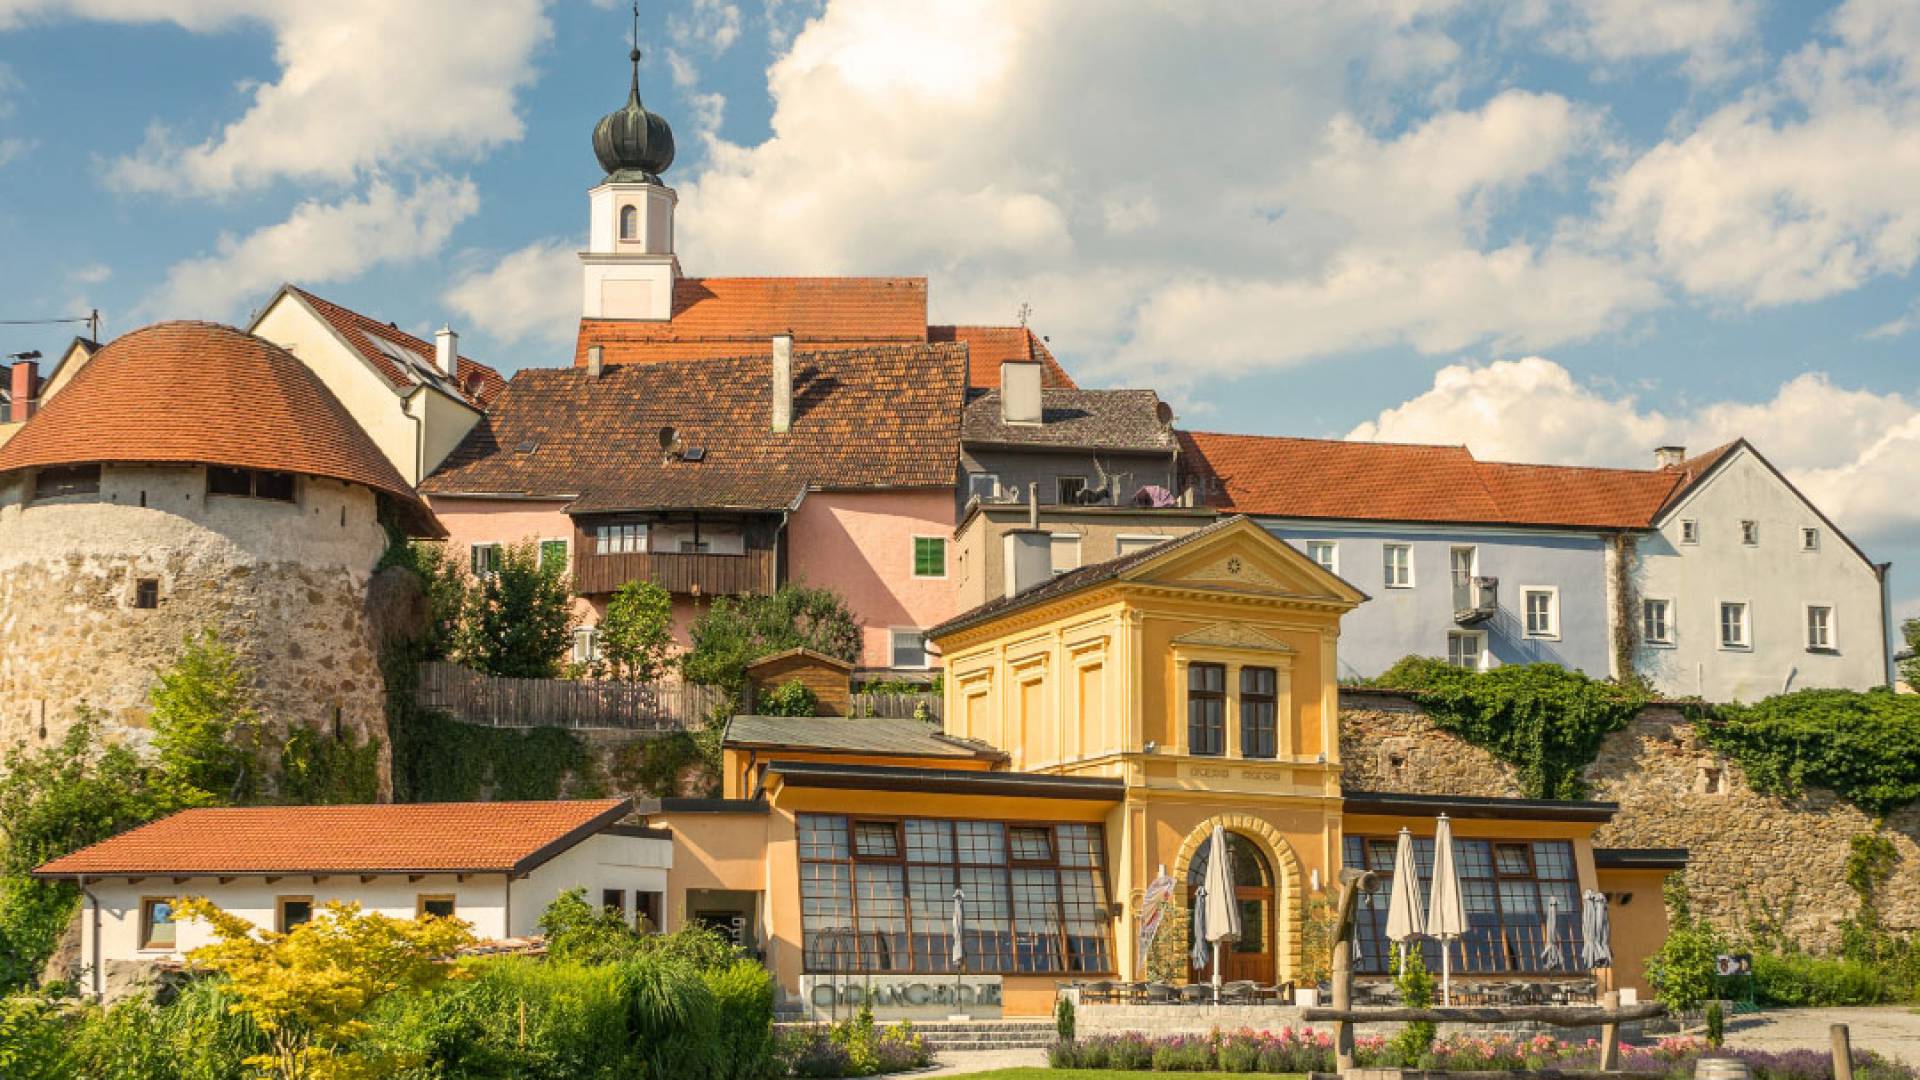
(23, 386)
(1020, 392)
(1028, 559)
(446, 350)
(1669, 457)
(782, 382)
(596, 360)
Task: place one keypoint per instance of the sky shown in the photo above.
(1553, 230)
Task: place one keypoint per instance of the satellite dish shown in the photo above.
(1163, 412)
(668, 437)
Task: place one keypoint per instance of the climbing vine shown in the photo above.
(439, 759)
(1545, 721)
(1864, 746)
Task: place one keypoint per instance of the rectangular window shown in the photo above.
(1259, 706)
(1130, 545)
(1206, 709)
(1809, 539)
(1733, 626)
(1069, 489)
(929, 556)
(620, 539)
(1750, 533)
(1543, 612)
(1034, 895)
(1465, 648)
(66, 480)
(1065, 552)
(614, 900)
(1398, 559)
(1819, 627)
(146, 593)
(156, 924)
(553, 554)
(439, 905)
(876, 839)
(649, 910)
(909, 648)
(586, 645)
(1507, 887)
(1326, 553)
(1689, 531)
(484, 558)
(1461, 563)
(983, 486)
(1656, 621)
(251, 483)
(291, 911)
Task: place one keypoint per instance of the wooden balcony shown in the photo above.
(755, 572)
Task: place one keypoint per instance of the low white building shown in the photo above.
(495, 865)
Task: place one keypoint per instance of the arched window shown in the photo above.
(629, 222)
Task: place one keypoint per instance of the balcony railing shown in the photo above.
(1475, 600)
(753, 573)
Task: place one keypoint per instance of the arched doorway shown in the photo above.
(1256, 891)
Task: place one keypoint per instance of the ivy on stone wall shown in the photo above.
(1864, 746)
(439, 759)
(1545, 721)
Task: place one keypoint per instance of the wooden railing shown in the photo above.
(570, 703)
(754, 572)
(896, 706)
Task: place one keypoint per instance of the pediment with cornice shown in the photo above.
(1232, 635)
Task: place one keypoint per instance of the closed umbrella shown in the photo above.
(1223, 913)
(1404, 917)
(1200, 952)
(959, 944)
(1446, 914)
(1596, 933)
(1550, 958)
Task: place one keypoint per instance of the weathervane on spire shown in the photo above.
(635, 54)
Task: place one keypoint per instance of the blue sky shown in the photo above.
(1552, 230)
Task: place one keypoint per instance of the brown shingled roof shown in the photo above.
(498, 837)
(1096, 419)
(475, 383)
(202, 393)
(877, 417)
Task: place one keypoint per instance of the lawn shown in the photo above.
(1103, 1074)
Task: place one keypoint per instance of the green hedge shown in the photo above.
(1864, 746)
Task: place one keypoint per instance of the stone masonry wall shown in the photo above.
(1751, 855)
(284, 585)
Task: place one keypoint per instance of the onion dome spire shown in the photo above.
(633, 145)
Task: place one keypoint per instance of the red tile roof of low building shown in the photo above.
(1279, 476)
(474, 382)
(990, 346)
(497, 837)
(205, 394)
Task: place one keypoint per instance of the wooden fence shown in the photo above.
(570, 703)
(897, 706)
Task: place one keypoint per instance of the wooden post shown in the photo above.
(1842, 1053)
(1610, 1033)
(1343, 999)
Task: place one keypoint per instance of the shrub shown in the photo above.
(636, 634)
(1865, 746)
(1803, 980)
(517, 619)
(791, 698)
(737, 630)
(1063, 1018)
(1416, 989)
(812, 1052)
(743, 1004)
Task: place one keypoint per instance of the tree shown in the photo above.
(1682, 972)
(637, 631)
(309, 989)
(518, 618)
(206, 722)
(1910, 667)
(443, 582)
(736, 631)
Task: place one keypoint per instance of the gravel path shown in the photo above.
(962, 1062)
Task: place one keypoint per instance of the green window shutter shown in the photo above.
(553, 553)
(929, 556)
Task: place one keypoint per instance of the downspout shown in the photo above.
(419, 437)
(1880, 570)
(506, 918)
(93, 901)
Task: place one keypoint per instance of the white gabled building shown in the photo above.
(495, 865)
(1744, 589)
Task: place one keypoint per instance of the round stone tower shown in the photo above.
(192, 476)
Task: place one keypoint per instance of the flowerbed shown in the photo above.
(856, 1047)
(1306, 1050)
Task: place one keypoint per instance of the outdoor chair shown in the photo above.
(1096, 993)
(1196, 994)
(1238, 992)
(1283, 993)
(1160, 994)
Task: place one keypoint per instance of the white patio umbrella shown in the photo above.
(1404, 918)
(1596, 932)
(1446, 914)
(1222, 912)
(1550, 958)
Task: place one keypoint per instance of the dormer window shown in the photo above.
(629, 222)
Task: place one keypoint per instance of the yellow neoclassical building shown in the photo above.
(1098, 725)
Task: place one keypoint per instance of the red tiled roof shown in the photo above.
(494, 837)
(476, 383)
(990, 346)
(723, 317)
(1277, 476)
(201, 393)
(876, 417)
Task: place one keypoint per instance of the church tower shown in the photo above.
(629, 268)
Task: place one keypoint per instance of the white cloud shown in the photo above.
(362, 85)
(90, 274)
(1716, 37)
(1851, 451)
(710, 25)
(1898, 326)
(529, 296)
(319, 242)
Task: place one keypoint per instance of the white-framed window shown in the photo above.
(929, 556)
(908, 647)
(586, 644)
(1819, 628)
(1467, 649)
(1067, 489)
(1735, 631)
(620, 539)
(1809, 538)
(1326, 553)
(1066, 552)
(1398, 563)
(1689, 531)
(1750, 533)
(1656, 621)
(484, 558)
(983, 485)
(1541, 603)
(1128, 545)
